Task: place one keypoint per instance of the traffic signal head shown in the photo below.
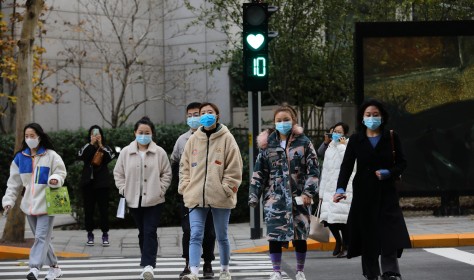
(255, 46)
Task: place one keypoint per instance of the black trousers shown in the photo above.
(147, 220)
(209, 241)
(388, 262)
(92, 197)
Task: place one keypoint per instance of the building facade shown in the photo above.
(90, 42)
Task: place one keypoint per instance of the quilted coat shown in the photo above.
(331, 212)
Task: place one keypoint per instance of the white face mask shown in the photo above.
(32, 142)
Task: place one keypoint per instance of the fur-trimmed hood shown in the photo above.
(262, 138)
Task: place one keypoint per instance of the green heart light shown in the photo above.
(255, 41)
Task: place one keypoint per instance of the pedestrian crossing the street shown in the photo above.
(242, 267)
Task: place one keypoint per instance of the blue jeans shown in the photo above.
(147, 220)
(197, 219)
(209, 241)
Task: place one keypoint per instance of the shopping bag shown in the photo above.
(57, 201)
(121, 208)
(317, 230)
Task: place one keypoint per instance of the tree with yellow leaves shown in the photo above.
(20, 59)
(9, 51)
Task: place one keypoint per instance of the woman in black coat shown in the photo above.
(95, 183)
(376, 226)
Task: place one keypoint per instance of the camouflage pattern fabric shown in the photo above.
(280, 175)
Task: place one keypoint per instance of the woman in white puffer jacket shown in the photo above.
(334, 215)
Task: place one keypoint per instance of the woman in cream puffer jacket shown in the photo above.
(334, 215)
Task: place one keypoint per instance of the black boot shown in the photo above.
(207, 270)
(391, 276)
(343, 252)
(186, 270)
(337, 249)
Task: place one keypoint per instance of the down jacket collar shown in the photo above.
(263, 137)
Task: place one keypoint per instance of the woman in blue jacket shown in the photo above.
(35, 167)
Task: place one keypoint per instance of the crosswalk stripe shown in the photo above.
(454, 254)
(254, 266)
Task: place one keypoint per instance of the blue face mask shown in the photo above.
(207, 120)
(283, 127)
(335, 136)
(143, 139)
(193, 122)
(372, 123)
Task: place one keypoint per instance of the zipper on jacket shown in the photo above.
(205, 175)
(32, 182)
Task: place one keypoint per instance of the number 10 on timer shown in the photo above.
(259, 67)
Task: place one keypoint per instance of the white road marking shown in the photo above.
(454, 254)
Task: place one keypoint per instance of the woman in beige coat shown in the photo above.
(142, 175)
(210, 175)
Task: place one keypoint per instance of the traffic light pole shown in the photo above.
(255, 101)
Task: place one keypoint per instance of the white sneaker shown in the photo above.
(276, 276)
(33, 274)
(53, 273)
(190, 276)
(225, 275)
(147, 273)
(300, 276)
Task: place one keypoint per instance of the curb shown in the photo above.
(9, 252)
(417, 241)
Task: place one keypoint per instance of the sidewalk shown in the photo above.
(425, 232)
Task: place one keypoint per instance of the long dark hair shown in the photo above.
(146, 121)
(368, 103)
(44, 142)
(88, 139)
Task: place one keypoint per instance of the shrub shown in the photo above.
(68, 143)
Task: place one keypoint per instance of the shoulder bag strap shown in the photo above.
(393, 145)
(318, 212)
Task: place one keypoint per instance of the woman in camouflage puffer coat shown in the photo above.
(286, 168)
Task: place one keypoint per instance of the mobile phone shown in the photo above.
(328, 135)
(299, 200)
(95, 131)
(341, 198)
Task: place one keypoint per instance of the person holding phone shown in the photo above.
(375, 224)
(334, 215)
(35, 167)
(286, 170)
(95, 183)
(327, 139)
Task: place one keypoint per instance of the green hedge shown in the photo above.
(67, 144)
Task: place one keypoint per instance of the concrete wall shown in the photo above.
(178, 75)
